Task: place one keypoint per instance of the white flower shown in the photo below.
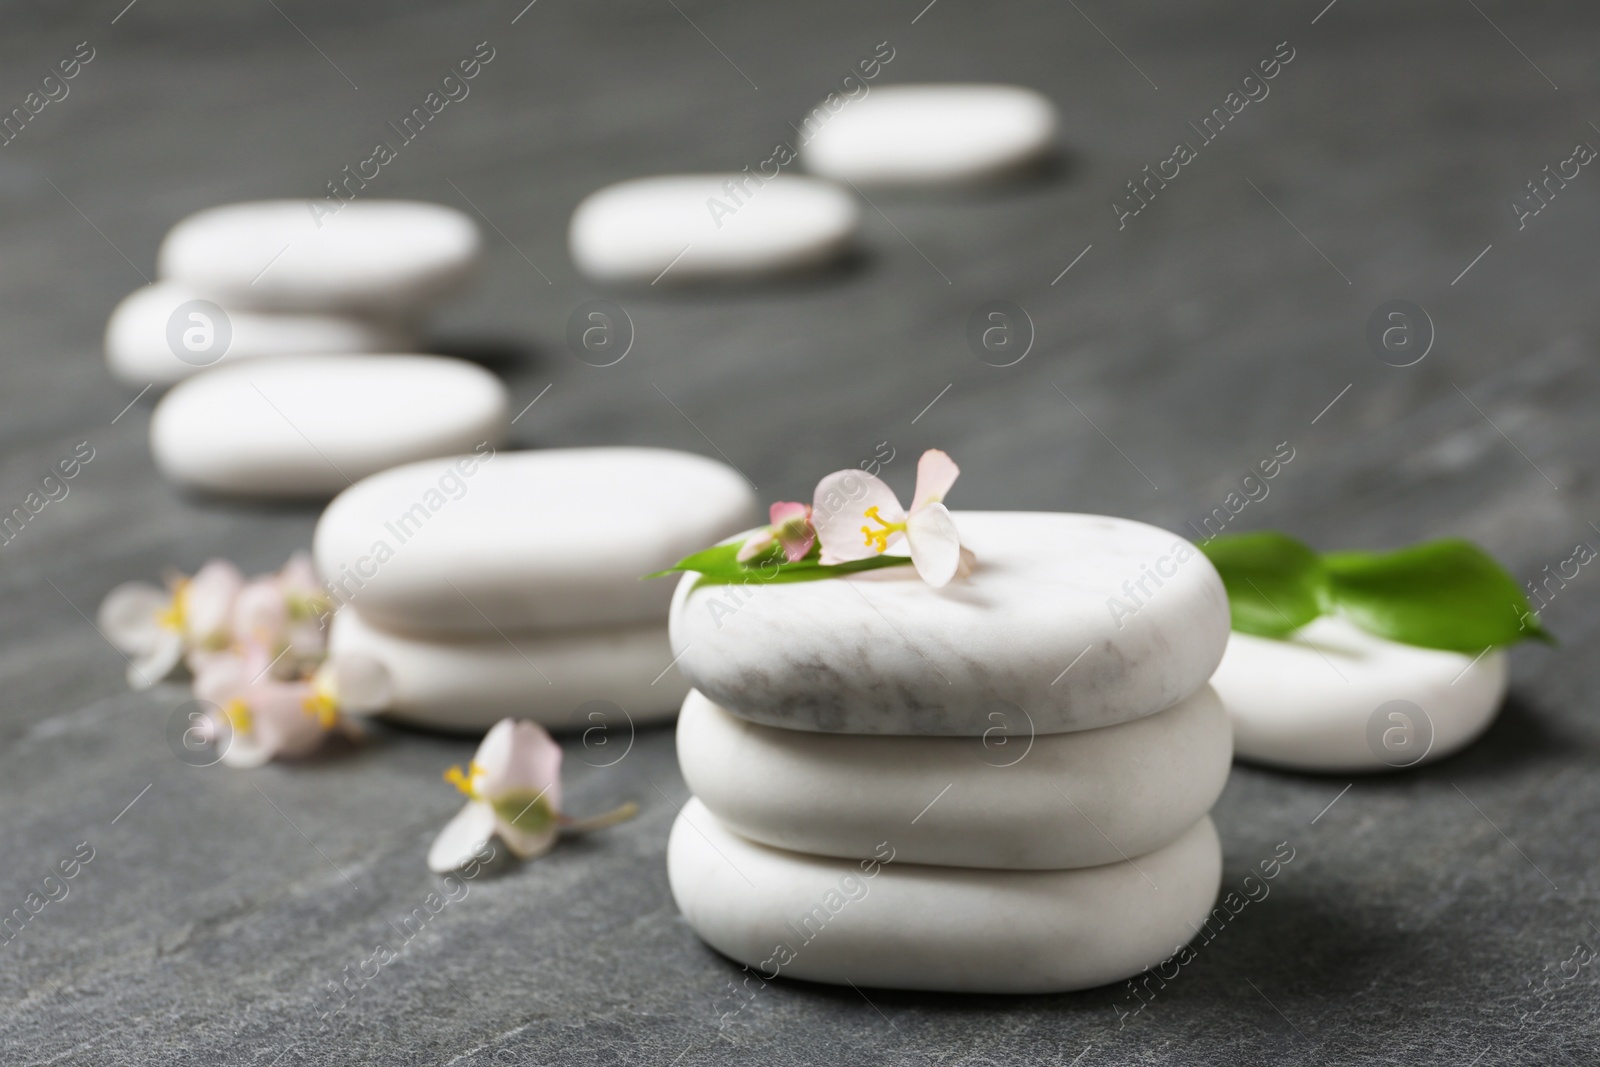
(513, 785)
(157, 627)
(858, 516)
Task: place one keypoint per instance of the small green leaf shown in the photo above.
(1273, 581)
(804, 571)
(720, 565)
(717, 559)
(1447, 594)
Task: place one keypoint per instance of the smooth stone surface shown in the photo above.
(1011, 802)
(307, 426)
(392, 256)
(959, 930)
(1321, 700)
(693, 223)
(471, 683)
(554, 539)
(933, 134)
(884, 653)
(140, 349)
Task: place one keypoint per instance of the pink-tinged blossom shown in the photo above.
(857, 516)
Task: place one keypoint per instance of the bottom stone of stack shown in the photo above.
(881, 922)
(578, 679)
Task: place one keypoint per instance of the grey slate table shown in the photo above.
(1428, 917)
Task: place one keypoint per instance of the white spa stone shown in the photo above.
(310, 425)
(396, 257)
(904, 926)
(931, 134)
(1336, 698)
(1007, 802)
(706, 226)
(153, 336)
(470, 683)
(554, 539)
(1045, 630)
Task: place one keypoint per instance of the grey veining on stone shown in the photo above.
(1427, 917)
(1067, 622)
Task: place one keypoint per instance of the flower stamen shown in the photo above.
(466, 782)
(879, 539)
(321, 705)
(237, 712)
(172, 616)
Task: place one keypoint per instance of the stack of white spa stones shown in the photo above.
(280, 330)
(508, 584)
(283, 278)
(997, 786)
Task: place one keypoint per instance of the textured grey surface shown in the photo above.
(1421, 910)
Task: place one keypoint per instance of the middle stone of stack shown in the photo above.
(998, 786)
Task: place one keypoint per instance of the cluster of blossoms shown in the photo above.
(258, 655)
(256, 649)
(855, 516)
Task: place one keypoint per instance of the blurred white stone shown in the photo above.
(312, 425)
(166, 332)
(932, 134)
(395, 258)
(601, 681)
(690, 227)
(554, 539)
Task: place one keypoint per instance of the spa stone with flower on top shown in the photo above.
(1014, 711)
(909, 648)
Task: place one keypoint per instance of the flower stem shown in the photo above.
(599, 822)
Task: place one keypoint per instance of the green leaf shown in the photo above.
(1273, 581)
(715, 560)
(1447, 594)
(719, 565)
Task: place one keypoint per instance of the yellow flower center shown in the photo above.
(172, 616)
(879, 539)
(323, 706)
(237, 712)
(468, 782)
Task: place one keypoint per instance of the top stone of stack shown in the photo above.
(1075, 621)
(393, 258)
(556, 539)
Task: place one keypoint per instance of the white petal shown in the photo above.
(363, 684)
(157, 662)
(936, 473)
(463, 838)
(518, 756)
(839, 513)
(127, 616)
(524, 845)
(208, 601)
(243, 751)
(935, 544)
